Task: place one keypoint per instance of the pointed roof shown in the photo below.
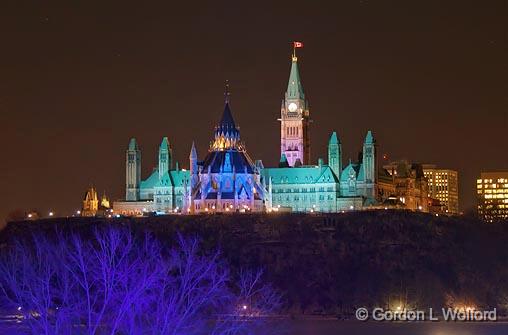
(295, 88)
(193, 152)
(164, 144)
(227, 123)
(283, 161)
(369, 139)
(227, 118)
(133, 145)
(334, 139)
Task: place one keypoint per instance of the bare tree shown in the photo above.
(120, 283)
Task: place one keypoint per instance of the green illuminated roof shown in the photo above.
(333, 139)
(179, 176)
(295, 88)
(165, 181)
(133, 145)
(151, 181)
(352, 169)
(300, 175)
(369, 139)
(283, 163)
(165, 143)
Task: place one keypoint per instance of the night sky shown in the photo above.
(77, 80)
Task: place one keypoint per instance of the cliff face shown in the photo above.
(333, 263)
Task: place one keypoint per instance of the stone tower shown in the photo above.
(193, 158)
(335, 154)
(164, 157)
(90, 203)
(295, 120)
(369, 164)
(133, 171)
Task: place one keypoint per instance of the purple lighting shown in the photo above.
(116, 282)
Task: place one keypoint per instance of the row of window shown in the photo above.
(303, 190)
(307, 179)
(292, 131)
(303, 198)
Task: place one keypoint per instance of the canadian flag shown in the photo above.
(298, 44)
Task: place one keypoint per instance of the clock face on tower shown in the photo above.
(292, 107)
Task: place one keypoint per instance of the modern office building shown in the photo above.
(443, 186)
(492, 192)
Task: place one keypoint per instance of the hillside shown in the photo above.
(330, 264)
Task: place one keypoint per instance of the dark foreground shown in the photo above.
(307, 327)
(331, 264)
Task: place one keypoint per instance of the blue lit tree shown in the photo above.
(119, 283)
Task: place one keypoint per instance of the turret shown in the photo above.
(227, 134)
(283, 163)
(335, 154)
(164, 157)
(133, 171)
(369, 164)
(295, 120)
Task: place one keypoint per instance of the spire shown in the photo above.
(227, 121)
(193, 159)
(283, 161)
(164, 157)
(295, 88)
(226, 92)
(369, 139)
(133, 145)
(227, 133)
(334, 139)
(193, 152)
(335, 154)
(164, 144)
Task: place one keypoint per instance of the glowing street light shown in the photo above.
(51, 213)
(29, 215)
(78, 212)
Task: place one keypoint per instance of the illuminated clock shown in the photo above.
(292, 107)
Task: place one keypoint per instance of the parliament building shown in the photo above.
(228, 180)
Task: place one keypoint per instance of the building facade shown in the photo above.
(228, 180)
(92, 206)
(162, 192)
(492, 194)
(443, 186)
(403, 185)
(324, 187)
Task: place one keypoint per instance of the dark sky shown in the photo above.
(78, 79)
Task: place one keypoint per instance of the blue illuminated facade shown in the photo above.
(228, 180)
